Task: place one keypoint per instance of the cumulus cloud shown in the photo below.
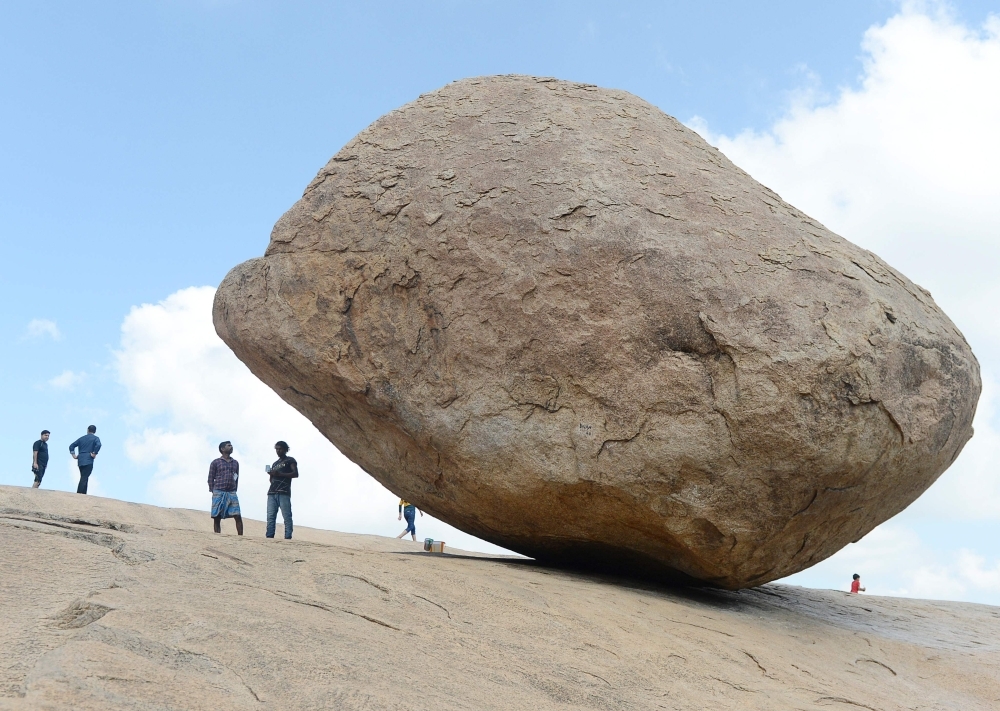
(189, 392)
(895, 560)
(904, 164)
(66, 380)
(42, 327)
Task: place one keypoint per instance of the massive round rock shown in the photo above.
(554, 317)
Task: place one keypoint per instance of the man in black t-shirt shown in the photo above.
(279, 495)
(40, 458)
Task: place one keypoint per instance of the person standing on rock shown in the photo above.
(40, 458)
(223, 480)
(279, 495)
(87, 448)
(856, 585)
(409, 511)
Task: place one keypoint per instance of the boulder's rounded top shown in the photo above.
(553, 153)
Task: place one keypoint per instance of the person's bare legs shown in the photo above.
(36, 485)
(218, 524)
(404, 533)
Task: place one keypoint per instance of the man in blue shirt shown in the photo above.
(87, 448)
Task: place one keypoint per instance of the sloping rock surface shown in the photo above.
(557, 319)
(109, 605)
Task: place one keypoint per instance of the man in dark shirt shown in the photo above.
(40, 458)
(223, 479)
(88, 446)
(279, 495)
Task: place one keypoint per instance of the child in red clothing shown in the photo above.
(856, 584)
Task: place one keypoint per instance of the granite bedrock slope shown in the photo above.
(113, 605)
(556, 318)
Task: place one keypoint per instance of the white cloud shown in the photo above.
(41, 327)
(905, 165)
(895, 560)
(66, 380)
(189, 392)
(975, 570)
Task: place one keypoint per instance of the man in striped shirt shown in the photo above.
(223, 478)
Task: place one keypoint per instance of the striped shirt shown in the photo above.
(223, 475)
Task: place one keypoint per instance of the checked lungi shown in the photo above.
(225, 504)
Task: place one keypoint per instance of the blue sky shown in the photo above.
(147, 147)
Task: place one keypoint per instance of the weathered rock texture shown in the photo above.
(557, 319)
(109, 605)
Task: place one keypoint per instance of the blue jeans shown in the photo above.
(274, 502)
(409, 513)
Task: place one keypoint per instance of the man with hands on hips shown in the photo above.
(86, 448)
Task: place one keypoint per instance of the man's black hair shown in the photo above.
(223, 444)
(45, 432)
(857, 577)
(282, 443)
(92, 429)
